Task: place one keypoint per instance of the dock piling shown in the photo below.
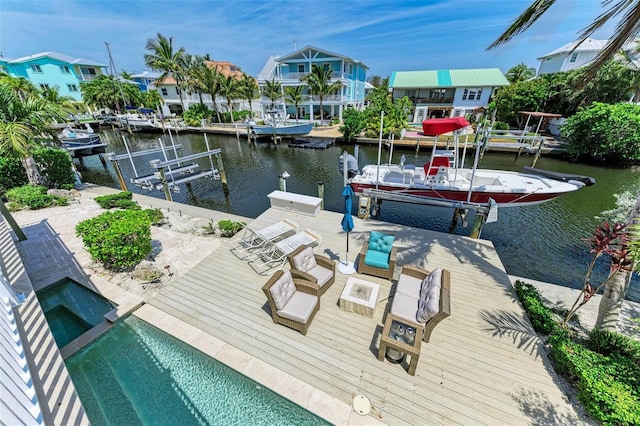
(321, 193)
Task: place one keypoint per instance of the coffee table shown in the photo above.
(400, 337)
(359, 296)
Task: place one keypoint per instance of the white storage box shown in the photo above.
(297, 203)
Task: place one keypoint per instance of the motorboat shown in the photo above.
(276, 124)
(142, 120)
(441, 178)
(81, 142)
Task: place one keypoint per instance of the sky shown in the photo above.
(386, 35)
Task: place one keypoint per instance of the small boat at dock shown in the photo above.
(81, 142)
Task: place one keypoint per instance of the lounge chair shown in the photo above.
(252, 240)
(293, 301)
(378, 256)
(312, 267)
(276, 253)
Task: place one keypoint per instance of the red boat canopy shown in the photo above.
(439, 126)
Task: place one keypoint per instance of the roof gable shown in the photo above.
(317, 53)
(588, 45)
(483, 77)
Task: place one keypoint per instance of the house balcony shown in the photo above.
(438, 100)
(298, 75)
(88, 77)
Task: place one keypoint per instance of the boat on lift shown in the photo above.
(81, 142)
(442, 179)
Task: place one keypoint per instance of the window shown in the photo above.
(574, 57)
(90, 71)
(478, 94)
(465, 94)
(327, 66)
(44, 86)
(65, 69)
(300, 67)
(344, 68)
(72, 87)
(472, 94)
(36, 68)
(164, 91)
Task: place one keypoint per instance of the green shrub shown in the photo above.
(500, 125)
(12, 173)
(229, 228)
(121, 200)
(608, 386)
(118, 239)
(33, 197)
(55, 167)
(155, 216)
(194, 115)
(607, 343)
(541, 317)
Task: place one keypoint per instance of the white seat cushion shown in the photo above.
(409, 286)
(429, 306)
(405, 307)
(305, 260)
(282, 290)
(299, 307)
(323, 275)
(434, 278)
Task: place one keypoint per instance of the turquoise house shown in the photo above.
(54, 70)
(288, 70)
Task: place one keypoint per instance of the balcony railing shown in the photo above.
(298, 75)
(88, 77)
(433, 100)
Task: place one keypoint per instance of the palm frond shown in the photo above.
(523, 22)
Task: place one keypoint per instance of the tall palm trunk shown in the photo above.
(31, 168)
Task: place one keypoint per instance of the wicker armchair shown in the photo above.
(318, 269)
(377, 271)
(294, 302)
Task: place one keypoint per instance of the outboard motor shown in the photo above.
(352, 165)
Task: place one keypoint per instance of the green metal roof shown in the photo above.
(484, 77)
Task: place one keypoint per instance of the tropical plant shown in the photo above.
(604, 133)
(12, 174)
(162, 57)
(353, 122)
(248, 88)
(33, 197)
(520, 72)
(229, 88)
(152, 99)
(21, 122)
(528, 95)
(209, 79)
(228, 228)
(190, 68)
(195, 114)
(55, 167)
(395, 113)
(105, 91)
(272, 90)
(52, 95)
(21, 86)
(320, 85)
(295, 95)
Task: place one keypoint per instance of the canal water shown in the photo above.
(542, 242)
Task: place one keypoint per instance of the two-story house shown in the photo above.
(570, 56)
(170, 92)
(54, 70)
(145, 80)
(446, 93)
(288, 70)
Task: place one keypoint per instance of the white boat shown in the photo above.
(441, 179)
(276, 124)
(143, 120)
(81, 142)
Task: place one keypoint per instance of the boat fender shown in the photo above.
(352, 166)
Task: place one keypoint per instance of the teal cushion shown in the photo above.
(377, 259)
(380, 242)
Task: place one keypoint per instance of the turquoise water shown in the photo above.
(136, 374)
(71, 309)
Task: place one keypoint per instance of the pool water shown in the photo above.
(137, 374)
(71, 309)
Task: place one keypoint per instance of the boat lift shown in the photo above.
(167, 176)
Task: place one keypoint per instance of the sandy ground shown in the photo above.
(178, 244)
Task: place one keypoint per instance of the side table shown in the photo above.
(398, 334)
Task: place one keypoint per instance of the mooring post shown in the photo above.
(223, 175)
(538, 152)
(116, 167)
(478, 222)
(457, 214)
(418, 146)
(103, 161)
(157, 164)
(321, 193)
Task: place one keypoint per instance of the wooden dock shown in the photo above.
(483, 365)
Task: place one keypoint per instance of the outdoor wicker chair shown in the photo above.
(378, 256)
(294, 302)
(312, 267)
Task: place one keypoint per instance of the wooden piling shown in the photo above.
(321, 193)
(457, 214)
(478, 223)
(538, 152)
(223, 175)
(121, 181)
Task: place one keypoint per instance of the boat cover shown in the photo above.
(439, 126)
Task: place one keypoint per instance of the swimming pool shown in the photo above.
(137, 374)
(71, 309)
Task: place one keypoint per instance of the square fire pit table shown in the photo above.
(359, 296)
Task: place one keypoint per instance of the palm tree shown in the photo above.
(628, 28)
(295, 96)
(104, 92)
(520, 72)
(272, 90)
(192, 63)
(249, 89)
(320, 85)
(162, 57)
(229, 88)
(21, 121)
(21, 86)
(52, 95)
(209, 80)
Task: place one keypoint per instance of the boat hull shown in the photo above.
(284, 130)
